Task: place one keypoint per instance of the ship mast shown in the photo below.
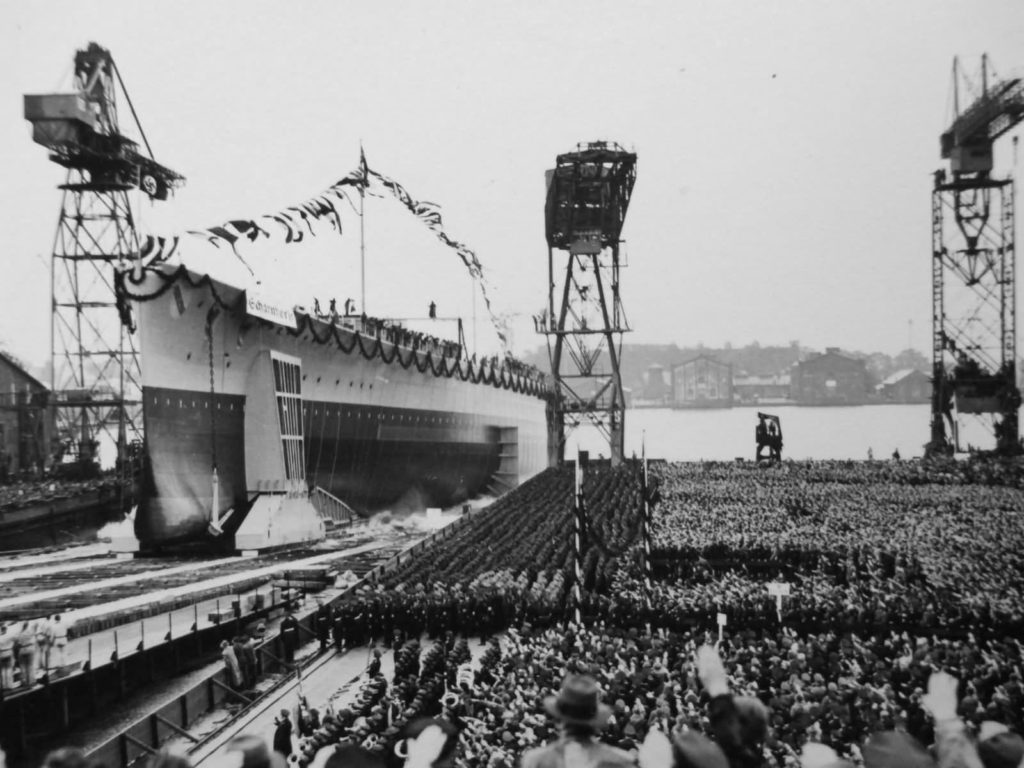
(362, 231)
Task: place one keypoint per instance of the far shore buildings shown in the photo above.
(906, 386)
(702, 382)
(772, 389)
(830, 379)
(656, 385)
(26, 420)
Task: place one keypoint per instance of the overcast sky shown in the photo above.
(785, 148)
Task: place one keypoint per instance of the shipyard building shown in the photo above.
(907, 386)
(830, 379)
(25, 420)
(702, 382)
(772, 389)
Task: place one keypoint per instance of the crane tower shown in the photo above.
(95, 362)
(588, 193)
(974, 330)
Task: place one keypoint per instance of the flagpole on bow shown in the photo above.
(362, 229)
(646, 523)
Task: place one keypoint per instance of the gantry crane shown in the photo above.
(95, 363)
(974, 330)
(587, 197)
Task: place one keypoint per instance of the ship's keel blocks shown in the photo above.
(276, 519)
(126, 545)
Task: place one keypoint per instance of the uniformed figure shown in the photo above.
(60, 641)
(245, 650)
(6, 659)
(338, 628)
(44, 640)
(322, 620)
(26, 653)
(289, 636)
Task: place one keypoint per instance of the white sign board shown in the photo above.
(721, 620)
(779, 589)
(278, 312)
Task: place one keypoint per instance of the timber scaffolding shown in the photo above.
(34, 721)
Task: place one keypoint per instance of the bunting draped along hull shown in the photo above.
(281, 402)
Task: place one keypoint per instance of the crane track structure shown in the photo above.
(588, 193)
(96, 369)
(974, 325)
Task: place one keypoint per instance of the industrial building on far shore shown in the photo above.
(830, 379)
(702, 382)
(706, 380)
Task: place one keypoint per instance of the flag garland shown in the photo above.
(430, 214)
(296, 222)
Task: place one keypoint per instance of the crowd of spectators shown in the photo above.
(27, 492)
(903, 626)
(896, 569)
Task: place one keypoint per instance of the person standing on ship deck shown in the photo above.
(6, 659)
(26, 652)
(60, 639)
(44, 639)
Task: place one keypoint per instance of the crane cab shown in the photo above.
(60, 119)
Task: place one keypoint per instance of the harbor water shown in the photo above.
(724, 434)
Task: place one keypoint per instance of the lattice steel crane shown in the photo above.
(974, 273)
(588, 194)
(96, 366)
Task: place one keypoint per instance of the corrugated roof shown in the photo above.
(898, 376)
(21, 369)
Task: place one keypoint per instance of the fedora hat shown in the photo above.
(578, 702)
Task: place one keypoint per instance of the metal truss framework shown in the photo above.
(96, 366)
(588, 195)
(590, 324)
(974, 326)
(96, 374)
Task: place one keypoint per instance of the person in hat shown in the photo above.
(283, 733)
(581, 716)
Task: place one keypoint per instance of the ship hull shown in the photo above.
(376, 435)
